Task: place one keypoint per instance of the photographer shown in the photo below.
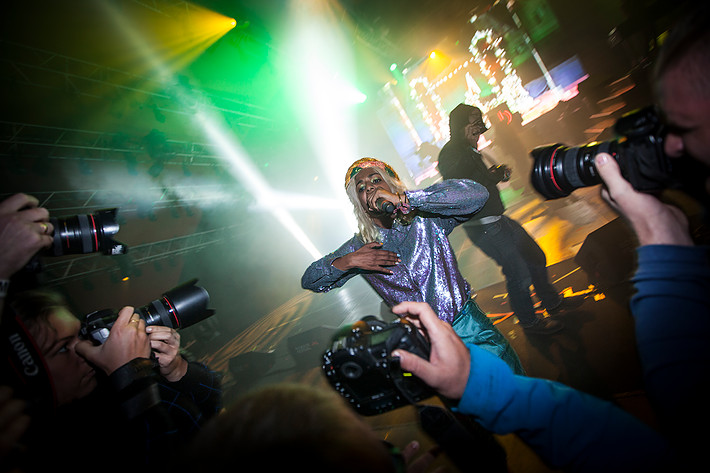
(115, 390)
(134, 386)
(24, 230)
(671, 303)
(568, 429)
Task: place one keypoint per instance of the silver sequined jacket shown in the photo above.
(429, 270)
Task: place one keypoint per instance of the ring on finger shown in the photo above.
(44, 227)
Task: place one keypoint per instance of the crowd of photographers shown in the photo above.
(117, 404)
(128, 401)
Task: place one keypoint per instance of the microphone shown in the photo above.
(384, 205)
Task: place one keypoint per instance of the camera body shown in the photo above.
(558, 170)
(181, 307)
(360, 367)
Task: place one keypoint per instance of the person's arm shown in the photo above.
(458, 161)
(568, 429)
(451, 198)
(654, 222)
(24, 230)
(195, 381)
(196, 397)
(454, 162)
(671, 311)
(351, 259)
(165, 344)
(671, 302)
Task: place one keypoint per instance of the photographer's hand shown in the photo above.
(126, 341)
(165, 343)
(24, 230)
(654, 222)
(369, 257)
(449, 359)
(421, 463)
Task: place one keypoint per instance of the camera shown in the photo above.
(360, 367)
(180, 307)
(558, 170)
(91, 233)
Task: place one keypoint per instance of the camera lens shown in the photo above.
(86, 234)
(558, 170)
(181, 307)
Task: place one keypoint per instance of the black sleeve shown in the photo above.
(201, 386)
(458, 162)
(454, 165)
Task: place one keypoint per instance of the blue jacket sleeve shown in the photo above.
(568, 429)
(671, 310)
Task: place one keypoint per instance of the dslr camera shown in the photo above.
(180, 307)
(360, 367)
(559, 170)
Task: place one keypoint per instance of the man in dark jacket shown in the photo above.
(521, 259)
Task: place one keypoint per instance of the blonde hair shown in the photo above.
(368, 231)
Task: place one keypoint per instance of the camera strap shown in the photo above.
(28, 373)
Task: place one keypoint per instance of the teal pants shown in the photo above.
(473, 326)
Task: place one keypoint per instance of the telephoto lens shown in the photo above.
(179, 308)
(82, 234)
(558, 170)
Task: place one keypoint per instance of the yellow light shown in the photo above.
(170, 42)
(126, 278)
(433, 54)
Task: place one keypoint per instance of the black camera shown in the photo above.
(180, 307)
(559, 170)
(360, 367)
(81, 234)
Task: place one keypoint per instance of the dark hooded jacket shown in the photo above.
(459, 160)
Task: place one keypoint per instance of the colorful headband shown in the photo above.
(363, 163)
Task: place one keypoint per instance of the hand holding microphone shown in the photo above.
(387, 202)
(384, 205)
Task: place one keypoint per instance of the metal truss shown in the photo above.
(40, 68)
(24, 140)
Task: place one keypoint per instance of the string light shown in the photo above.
(489, 56)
